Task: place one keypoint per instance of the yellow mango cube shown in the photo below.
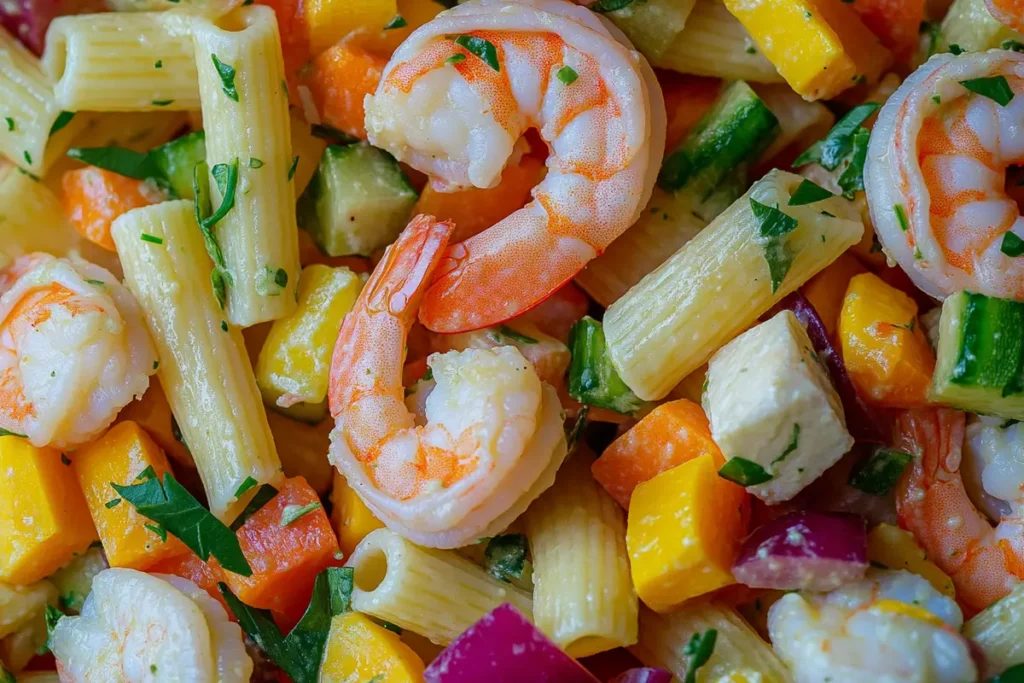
(44, 520)
(683, 532)
(363, 22)
(898, 549)
(820, 47)
(360, 650)
(118, 457)
(293, 369)
(352, 520)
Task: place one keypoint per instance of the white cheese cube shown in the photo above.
(771, 403)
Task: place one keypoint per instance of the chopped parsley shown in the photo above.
(744, 472)
(392, 627)
(610, 5)
(146, 237)
(901, 216)
(996, 88)
(484, 49)
(112, 503)
(224, 325)
(226, 177)
(227, 78)
(699, 651)
(159, 530)
(28, 157)
(270, 282)
(1012, 245)
(794, 442)
(62, 120)
(255, 163)
(880, 473)
(293, 513)
(263, 496)
(7, 432)
(162, 103)
(397, 22)
(1014, 45)
(773, 226)
(506, 556)
(64, 459)
(332, 134)
(455, 58)
(567, 75)
(956, 49)
(506, 331)
(10, 123)
(809, 192)
(838, 145)
(126, 162)
(245, 486)
(52, 616)
(159, 64)
(291, 170)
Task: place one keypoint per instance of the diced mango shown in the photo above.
(820, 47)
(363, 21)
(683, 532)
(352, 519)
(826, 290)
(885, 350)
(360, 650)
(673, 433)
(119, 457)
(898, 549)
(294, 364)
(153, 413)
(44, 520)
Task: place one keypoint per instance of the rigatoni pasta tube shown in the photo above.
(245, 115)
(203, 365)
(583, 596)
(719, 283)
(999, 632)
(435, 593)
(739, 654)
(122, 62)
(29, 111)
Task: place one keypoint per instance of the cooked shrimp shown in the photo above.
(493, 436)
(1008, 12)
(936, 175)
(549, 65)
(74, 350)
(890, 627)
(142, 627)
(984, 563)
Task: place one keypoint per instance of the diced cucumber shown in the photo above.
(980, 365)
(711, 163)
(592, 379)
(969, 26)
(653, 25)
(176, 160)
(358, 201)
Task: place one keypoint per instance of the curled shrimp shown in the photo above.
(545, 64)
(146, 627)
(493, 436)
(890, 627)
(984, 562)
(74, 350)
(936, 176)
(1008, 12)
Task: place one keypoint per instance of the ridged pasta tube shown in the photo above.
(19, 604)
(583, 596)
(245, 115)
(203, 367)
(999, 632)
(122, 62)
(435, 593)
(718, 284)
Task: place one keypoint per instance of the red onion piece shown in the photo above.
(645, 675)
(504, 647)
(804, 550)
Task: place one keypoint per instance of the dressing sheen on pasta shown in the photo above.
(512, 341)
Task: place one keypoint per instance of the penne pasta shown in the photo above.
(434, 593)
(583, 595)
(19, 604)
(999, 632)
(122, 62)
(203, 365)
(207, 7)
(245, 116)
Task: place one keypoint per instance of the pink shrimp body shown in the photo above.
(557, 68)
(493, 435)
(74, 350)
(936, 175)
(984, 562)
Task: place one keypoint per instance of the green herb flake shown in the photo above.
(156, 364)
(829, 215)
(10, 123)
(573, 436)
(291, 170)
(901, 216)
(63, 119)
(699, 651)
(744, 472)
(1015, 674)
(610, 5)
(880, 473)
(28, 157)
(245, 486)
(1012, 245)
(484, 49)
(227, 78)
(293, 513)
(852, 179)
(7, 432)
(226, 177)
(52, 616)
(996, 88)
(162, 103)
(159, 64)
(1014, 45)
(255, 163)
(397, 22)
(159, 530)
(152, 668)
(112, 503)
(794, 443)
(773, 225)
(956, 49)
(936, 99)
(507, 331)
(176, 510)
(146, 237)
(455, 58)
(835, 147)
(263, 495)
(391, 627)
(506, 556)
(567, 75)
(809, 192)
(332, 134)
(119, 160)
(64, 459)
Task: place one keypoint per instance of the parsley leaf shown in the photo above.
(263, 496)
(1014, 45)
(174, 508)
(573, 437)
(333, 135)
(398, 22)
(227, 78)
(63, 119)
(1012, 245)
(507, 331)
(880, 473)
(10, 123)
(245, 486)
(567, 75)
(852, 179)
(506, 556)
(119, 160)
(996, 88)
(7, 432)
(53, 615)
(901, 216)
(794, 442)
(809, 192)
(220, 277)
(484, 49)
(773, 225)
(744, 472)
(699, 650)
(294, 166)
(839, 143)
(293, 513)
(610, 5)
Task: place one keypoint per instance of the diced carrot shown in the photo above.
(673, 433)
(93, 198)
(285, 556)
(826, 290)
(687, 99)
(189, 566)
(474, 210)
(153, 413)
(291, 23)
(339, 80)
(895, 22)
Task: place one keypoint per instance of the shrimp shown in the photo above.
(545, 64)
(74, 350)
(493, 435)
(146, 627)
(1008, 12)
(932, 503)
(891, 626)
(936, 174)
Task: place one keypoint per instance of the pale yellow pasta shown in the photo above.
(435, 593)
(583, 596)
(18, 649)
(29, 110)
(303, 449)
(714, 43)
(203, 365)
(245, 117)
(122, 62)
(19, 604)
(208, 7)
(719, 283)
(307, 148)
(999, 632)
(800, 121)
(31, 218)
(739, 654)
